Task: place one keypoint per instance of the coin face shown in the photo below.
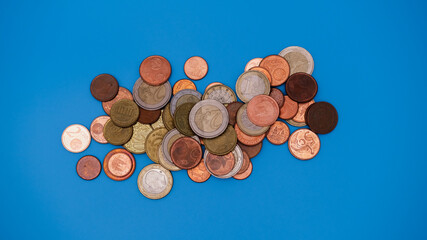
(219, 165)
(159, 122)
(136, 144)
(263, 71)
(183, 84)
(245, 174)
(166, 163)
(186, 153)
(122, 94)
(187, 95)
(246, 139)
(277, 95)
(302, 108)
(208, 118)
(263, 110)
(199, 174)
(252, 151)
(181, 119)
(167, 118)
(222, 144)
(289, 108)
(252, 63)
(124, 113)
(151, 97)
(246, 125)
(166, 146)
(104, 87)
(301, 87)
(153, 142)
(278, 133)
(117, 135)
(232, 109)
(97, 129)
(214, 160)
(250, 84)
(119, 164)
(148, 116)
(196, 68)
(278, 67)
(76, 138)
(299, 59)
(321, 117)
(155, 70)
(88, 167)
(304, 144)
(154, 181)
(220, 93)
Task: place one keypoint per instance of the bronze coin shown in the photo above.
(245, 163)
(262, 110)
(232, 109)
(196, 68)
(252, 63)
(88, 167)
(155, 70)
(304, 144)
(183, 84)
(181, 120)
(321, 117)
(148, 116)
(97, 129)
(302, 108)
(104, 87)
(117, 135)
(186, 153)
(199, 174)
(301, 87)
(124, 113)
(119, 164)
(245, 174)
(278, 133)
(220, 165)
(277, 95)
(278, 67)
(122, 94)
(289, 108)
(247, 139)
(263, 71)
(252, 151)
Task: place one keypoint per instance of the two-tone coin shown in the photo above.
(119, 164)
(250, 84)
(304, 144)
(97, 129)
(220, 93)
(263, 71)
(122, 94)
(246, 125)
(117, 135)
(184, 96)
(299, 59)
(151, 97)
(76, 138)
(208, 118)
(153, 142)
(136, 144)
(154, 181)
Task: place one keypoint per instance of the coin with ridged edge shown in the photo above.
(153, 142)
(181, 119)
(250, 84)
(246, 125)
(208, 118)
(124, 113)
(167, 118)
(184, 96)
(136, 144)
(119, 164)
(221, 93)
(222, 144)
(117, 135)
(151, 97)
(154, 181)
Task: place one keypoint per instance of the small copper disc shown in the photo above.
(148, 116)
(220, 165)
(263, 71)
(302, 108)
(289, 108)
(252, 151)
(199, 173)
(277, 95)
(301, 87)
(183, 84)
(119, 164)
(304, 144)
(246, 174)
(155, 70)
(232, 109)
(262, 110)
(278, 133)
(245, 163)
(76, 138)
(97, 129)
(196, 68)
(104, 87)
(186, 153)
(252, 63)
(212, 84)
(321, 117)
(278, 67)
(122, 94)
(88, 167)
(246, 139)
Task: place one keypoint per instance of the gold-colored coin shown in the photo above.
(159, 122)
(183, 84)
(124, 113)
(137, 143)
(222, 144)
(117, 135)
(181, 121)
(167, 118)
(153, 142)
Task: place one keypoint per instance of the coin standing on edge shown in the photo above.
(76, 138)
(88, 167)
(104, 87)
(97, 129)
(299, 59)
(252, 63)
(119, 164)
(321, 117)
(196, 68)
(301, 87)
(183, 84)
(117, 135)
(278, 67)
(208, 118)
(154, 181)
(263, 110)
(304, 144)
(278, 133)
(155, 70)
(122, 94)
(199, 174)
(250, 84)
(151, 97)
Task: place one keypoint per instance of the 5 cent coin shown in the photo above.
(304, 144)
(119, 164)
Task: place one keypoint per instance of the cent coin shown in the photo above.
(246, 125)
(124, 113)
(300, 116)
(199, 174)
(263, 110)
(321, 117)
(153, 142)
(166, 146)
(250, 84)
(167, 118)
(122, 94)
(104, 87)
(245, 165)
(148, 116)
(97, 129)
(76, 138)
(154, 181)
(166, 163)
(301, 87)
(299, 59)
(278, 67)
(277, 95)
(289, 108)
(232, 109)
(151, 97)
(263, 71)
(155, 70)
(88, 167)
(208, 118)
(221, 93)
(252, 151)
(278, 133)
(245, 174)
(136, 144)
(117, 135)
(304, 144)
(186, 153)
(196, 68)
(252, 63)
(119, 164)
(183, 84)
(246, 139)
(219, 165)
(222, 144)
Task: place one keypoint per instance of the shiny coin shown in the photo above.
(251, 84)
(155, 70)
(321, 117)
(199, 174)
(196, 68)
(278, 67)
(277, 95)
(252, 63)
(246, 139)
(263, 71)
(222, 144)
(304, 144)
(119, 164)
(252, 151)
(212, 84)
(299, 59)
(289, 108)
(124, 113)
(301, 87)
(300, 116)
(245, 174)
(219, 165)
(154, 181)
(181, 119)
(117, 135)
(208, 118)
(184, 96)
(183, 84)
(232, 109)
(167, 118)
(148, 116)
(246, 125)
(263, 110)
(136, 144)
(104, 87)
(278, 133)
(76, 138)
(151, 97)
(122, 94)
(221, 93)
(245, 164)
(97, 129)
(88, 167)
(153, 142)
(186, 153)
(159, 122)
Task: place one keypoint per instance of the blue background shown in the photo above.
(367, 182)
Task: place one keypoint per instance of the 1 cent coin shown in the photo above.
(76, 138)
(148, 116)
(97, 129)
(301, 87)
(232, 109)
(196, 68)
(252, 151)
(183, 84)
(123, 94)
(154, 181)
(247, 139)
(124, 113)
(289, 108)
(104, 87)
(252, 63)
(199, 174)
(304, 144)
(119, 164)
(155, 70)
(278, 133)
(88, 167)
(277, 95)
(263, 110)
(186, 153)
(278, 67)
(321, 117)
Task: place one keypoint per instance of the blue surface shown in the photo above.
(367, 182)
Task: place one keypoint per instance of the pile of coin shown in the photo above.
(213, 133)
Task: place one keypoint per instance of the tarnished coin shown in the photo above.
(117, 135)
(184, 96)
(136, 144)
(181, 119)
(88, 167)
(245, 174)
(252, 63)
(212, 84)
(165, 163)
(301, 87)
(148, 116)
(222, 144)
(263, 110)
(245, 164)
(154, 181)
(76, 138)
(278, 67)
(238, 157)
(186, 153)
(221, 93)
(159, 122)
(183, 84)
(104, 87)
(304, 144)
(167, 142)
(199, 174)
(246, 125)
(246, 139)
(295, 124)
(299, 118)
(119, 164)
(155, 70)
(219, 165)
(321, 117)
(151, 97)
(153, 142)
(299, 59)
(251, 84)
(124, 113)
(289, 108)
(167, 118)
(196, 68)
(232, 109)
(97, 129)
(277, 95)
(208, 118)
(278, 133)
(252, 151)
(263, 71)
(122, 94)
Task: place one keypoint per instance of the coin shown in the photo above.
(221, 93)
(124, 113)
(219, 165)
(167, 142)
(278, 67)
(295, 124)
(263, 110)
(278, 133)
(250, 84)
(321, 117)
(212, 84)
(148, 116)
(97, 129)
(252, 151)
(181, 119)
(300, 116)
(196, 68)
(263, 71)
(154, 181)
(245, 164)
(159, 122)
(183, 84)
(232, 109)
(277, 95)
(119, 164)
(167, 118)
(153, 142)
(299, 59)
(289, 108)
(301, 87)
(88, 167)
(222, 144)
(151, 97)
(246, 139)
(186, 153)
(76, 138)
(104, 87)
(304, 144)
(252, 63)
(245, 174)
(208, 118)
(246, 125)
(184, 96)
(199, 174)
(165, 163)
(238, 158)
(136, 144)
(155, 70)
(117, 135)
(122, 94)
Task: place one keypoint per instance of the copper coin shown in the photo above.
(76, 138)
(301, 87)
(212, 84)
(88, 167)
(321, 117)
(196, 68)
(252, 63)
(148, 116)
(155, 70)
(246, 139)
(263, 71)
(289, 108)
(304, 144)
(252, 151)
(119, 164)
(97, 129)
(232, 109)
(186, 153)
(183, 84)
(104, 87)
(277, 95)
(278, 67)
(262, 110)
(278, 133)
(302, 108)
(199, 173)
(245, 174)
(122, 94)
(245, 163)
(220, 165)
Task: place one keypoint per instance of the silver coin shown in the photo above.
(250, 84)
(166, 145)
(187, 95)
(299, 59)
(238, 162)
(208, 118)
(221, 93)
(246, 125)
(151, 97)
(154, 181)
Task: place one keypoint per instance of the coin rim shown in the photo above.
(239, 82)
(107, 159)
(146, 106)
(88, 179)
(197, 130)
(84, 128)
(155, 196)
